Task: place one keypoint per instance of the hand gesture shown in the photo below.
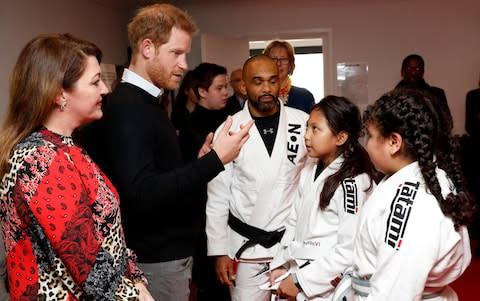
(228, 144)
(207, 146)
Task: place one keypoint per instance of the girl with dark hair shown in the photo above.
(318, 241)
(412, 240)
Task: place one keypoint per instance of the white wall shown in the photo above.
(21, 20)
(378, 32)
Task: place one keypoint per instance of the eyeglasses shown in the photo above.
(281, 60)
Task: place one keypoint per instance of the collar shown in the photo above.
(136, 80)
(55, 138)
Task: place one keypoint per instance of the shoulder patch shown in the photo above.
(293, 142)
(350, 198)
(400, 210)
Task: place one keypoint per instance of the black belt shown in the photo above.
(255, 235)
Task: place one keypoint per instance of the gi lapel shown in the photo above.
(270, 168)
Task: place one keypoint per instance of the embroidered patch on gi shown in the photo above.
(399, 213)
(350, 200)
(293, 143)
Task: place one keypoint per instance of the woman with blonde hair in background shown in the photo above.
(283, 54)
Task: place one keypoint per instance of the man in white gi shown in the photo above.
(250, 201)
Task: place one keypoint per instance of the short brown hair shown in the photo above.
(155, 22)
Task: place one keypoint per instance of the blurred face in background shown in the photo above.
(413, 71)
(237, 83)
(280, 56)
(215, 98)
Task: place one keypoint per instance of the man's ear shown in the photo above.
(202, 92)
(243, 88)
(341, 138)
(395, 143)
(147, 48)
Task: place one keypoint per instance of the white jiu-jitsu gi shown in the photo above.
(258, 189)
(406, 246)
(323, 237)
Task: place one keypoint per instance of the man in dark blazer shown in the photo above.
(237, 100)
(413, 68)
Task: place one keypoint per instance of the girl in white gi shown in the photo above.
(412, 240)
(318, 241)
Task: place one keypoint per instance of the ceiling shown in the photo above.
(123, 5)
(130, 5)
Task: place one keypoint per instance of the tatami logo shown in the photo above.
(399, 213)
(350, 201)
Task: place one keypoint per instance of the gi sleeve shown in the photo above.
(217, 209)
(402, 269)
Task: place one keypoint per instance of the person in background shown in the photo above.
(412, 71)
(184, 103)
(60, 214)
(413, 225)
(209, 83)
(159, 191)
(319, 237)
(210, 86)
(250, 201)
(237, 100)
(284, 55)
(471, 148)
(472, 112)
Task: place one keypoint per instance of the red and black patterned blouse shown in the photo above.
(61, 224)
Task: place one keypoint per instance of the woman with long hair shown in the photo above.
(59, 213)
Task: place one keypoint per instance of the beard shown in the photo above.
(264, 107)
(160, 77)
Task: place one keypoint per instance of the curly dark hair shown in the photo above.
(343, 115)
(427, 139)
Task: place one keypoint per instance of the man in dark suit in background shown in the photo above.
(413, 68)
(237, 100)
(471, 146)
(472, 112)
